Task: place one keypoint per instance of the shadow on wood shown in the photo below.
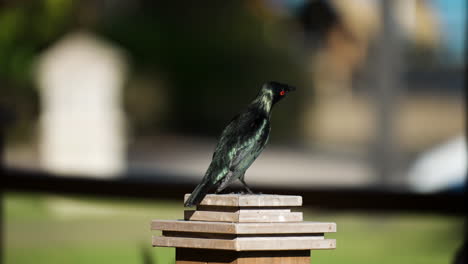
(198, 256)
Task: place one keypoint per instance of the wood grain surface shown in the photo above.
(254, 200)
(244, 216)
(247, 244)
(244, 228)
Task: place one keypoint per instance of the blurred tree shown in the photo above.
(27, 27)
(194, 66)
(211, 58)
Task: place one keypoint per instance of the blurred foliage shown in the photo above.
(200, 64)
(27, 28)
(58, 229)
(212, 58)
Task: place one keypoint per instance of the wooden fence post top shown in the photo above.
(244, 223)
(249, 200)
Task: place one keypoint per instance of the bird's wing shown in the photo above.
(251, 147)
(245, 135)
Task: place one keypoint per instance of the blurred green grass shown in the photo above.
(56, 229)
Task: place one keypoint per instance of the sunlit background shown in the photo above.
(140, 90)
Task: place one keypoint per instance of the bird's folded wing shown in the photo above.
(251, 147)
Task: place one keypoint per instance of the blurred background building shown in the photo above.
(80, 81)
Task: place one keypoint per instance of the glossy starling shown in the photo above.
(240, 143)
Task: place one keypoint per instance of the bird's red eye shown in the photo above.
(282, 93)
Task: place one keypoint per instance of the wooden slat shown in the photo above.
(186, 242)
(276, 217)
(283, 243)
(255, 200)
(193, 226)
(199, 235)
(243, 228)
(234, 209)
(234, 236)
(210, 216)
(247, 243)
(243, 216)
(273, 228)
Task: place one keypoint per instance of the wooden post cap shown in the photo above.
(244, 223)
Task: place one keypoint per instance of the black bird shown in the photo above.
(240, 143)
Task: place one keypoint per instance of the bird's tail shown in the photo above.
(198, 194)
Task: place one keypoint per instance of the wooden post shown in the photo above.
(244, 229)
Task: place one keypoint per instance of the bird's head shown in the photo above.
(277, 90)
